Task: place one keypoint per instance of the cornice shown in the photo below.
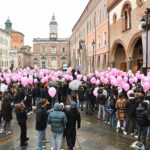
(113, 5)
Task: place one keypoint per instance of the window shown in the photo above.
(104, 38)
(53, 49)
(87, 27)
(63, 50)
(93, 22)
(98, 62)
(104, 61)
(99, 17)
(43, 49)
(126, 17)
(35, 61)
(114, 18)
(98, 41)
(104, 12)
(43, 58)
(2, 63)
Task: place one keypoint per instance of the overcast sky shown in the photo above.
(32, 17)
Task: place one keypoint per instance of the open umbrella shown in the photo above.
(74, 85)
(52, 84)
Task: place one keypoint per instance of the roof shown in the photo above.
(53, 21)
(50, 40)
(5, 31)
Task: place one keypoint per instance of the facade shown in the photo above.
(126, 50)
(24, 57)
(13, 58)
(52, 52)
(5, 45)
(91, 27)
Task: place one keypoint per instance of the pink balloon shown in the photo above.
(30, 80)
(35, 80)
(79, 77)
(35, 67)
(126, 86)
(93, 80)
(97, 82)
(70, 78)
(85, 79)
(24, 81)
(147, 79)
(76, 73)
(125, 79)
(14, 69)
(129, 92)
(131, 80)
(8, 80)
(146, 86)
(119, 79)
(135, 79)
(52, 91)
(95, 93)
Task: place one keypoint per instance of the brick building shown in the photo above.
(91, 26)
(125, 33)
(52, 52)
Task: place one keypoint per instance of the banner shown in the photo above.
(144, 49)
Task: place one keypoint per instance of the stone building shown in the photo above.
(24, 57)
(52, 52)
(17, 42)
(91, 27)
(125, 33)
(5, 46)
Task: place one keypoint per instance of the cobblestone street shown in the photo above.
(93, 135)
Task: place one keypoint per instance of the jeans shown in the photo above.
(119, 123)
(53, 103)
(40, 139)
(101, 109)
(6, 125)
(88, 107)
(142, 131)
(23, 133)
(132, 119)
(112, 119)
(37, 101)
(59, 140)
(80, 103)
(148, 131)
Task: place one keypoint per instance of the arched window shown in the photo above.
(63, 49)
(98, 62)
(63, 58)
(43, 58)
(126, 16)
(53, 61)
(35, 61)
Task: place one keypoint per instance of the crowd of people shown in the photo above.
(115, 107)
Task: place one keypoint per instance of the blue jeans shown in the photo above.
(53, 103)
(80, 103)
(148, 130)
(101, 110)
(37, 101)
(59, 140)
(112, 119)
(40, 139)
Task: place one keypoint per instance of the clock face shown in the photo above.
(53, 29)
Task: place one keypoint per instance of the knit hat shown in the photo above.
(45, 85)
(73, 105)
(61, 104)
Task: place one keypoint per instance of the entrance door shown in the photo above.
(43, 65)
(123, 67)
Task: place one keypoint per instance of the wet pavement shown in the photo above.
(93, 135)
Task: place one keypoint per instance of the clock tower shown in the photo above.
(53, 28)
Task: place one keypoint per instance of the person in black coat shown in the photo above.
(81, 97)
(21, 116)
(73, 116)
(131, 106)
(41, 122)
(7, 113)
(142, 121)
(37, 94)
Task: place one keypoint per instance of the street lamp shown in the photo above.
(145, 22)
(93, 44)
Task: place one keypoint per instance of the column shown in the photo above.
(128, 64)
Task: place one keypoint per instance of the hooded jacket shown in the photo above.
(142, 116)
(57, 119)
(131, 106)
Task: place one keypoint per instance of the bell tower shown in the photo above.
(53, 28)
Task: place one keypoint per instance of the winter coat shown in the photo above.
(141, 116)
(41, 118)
(7, 111)
(57, 119)
(73, 116)
(45, 94)
(21, 116)
(37, 91)
(88, 93)
(121, 109)
(81, 93)
(101, 99)
(131, 106)
(17, 98)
